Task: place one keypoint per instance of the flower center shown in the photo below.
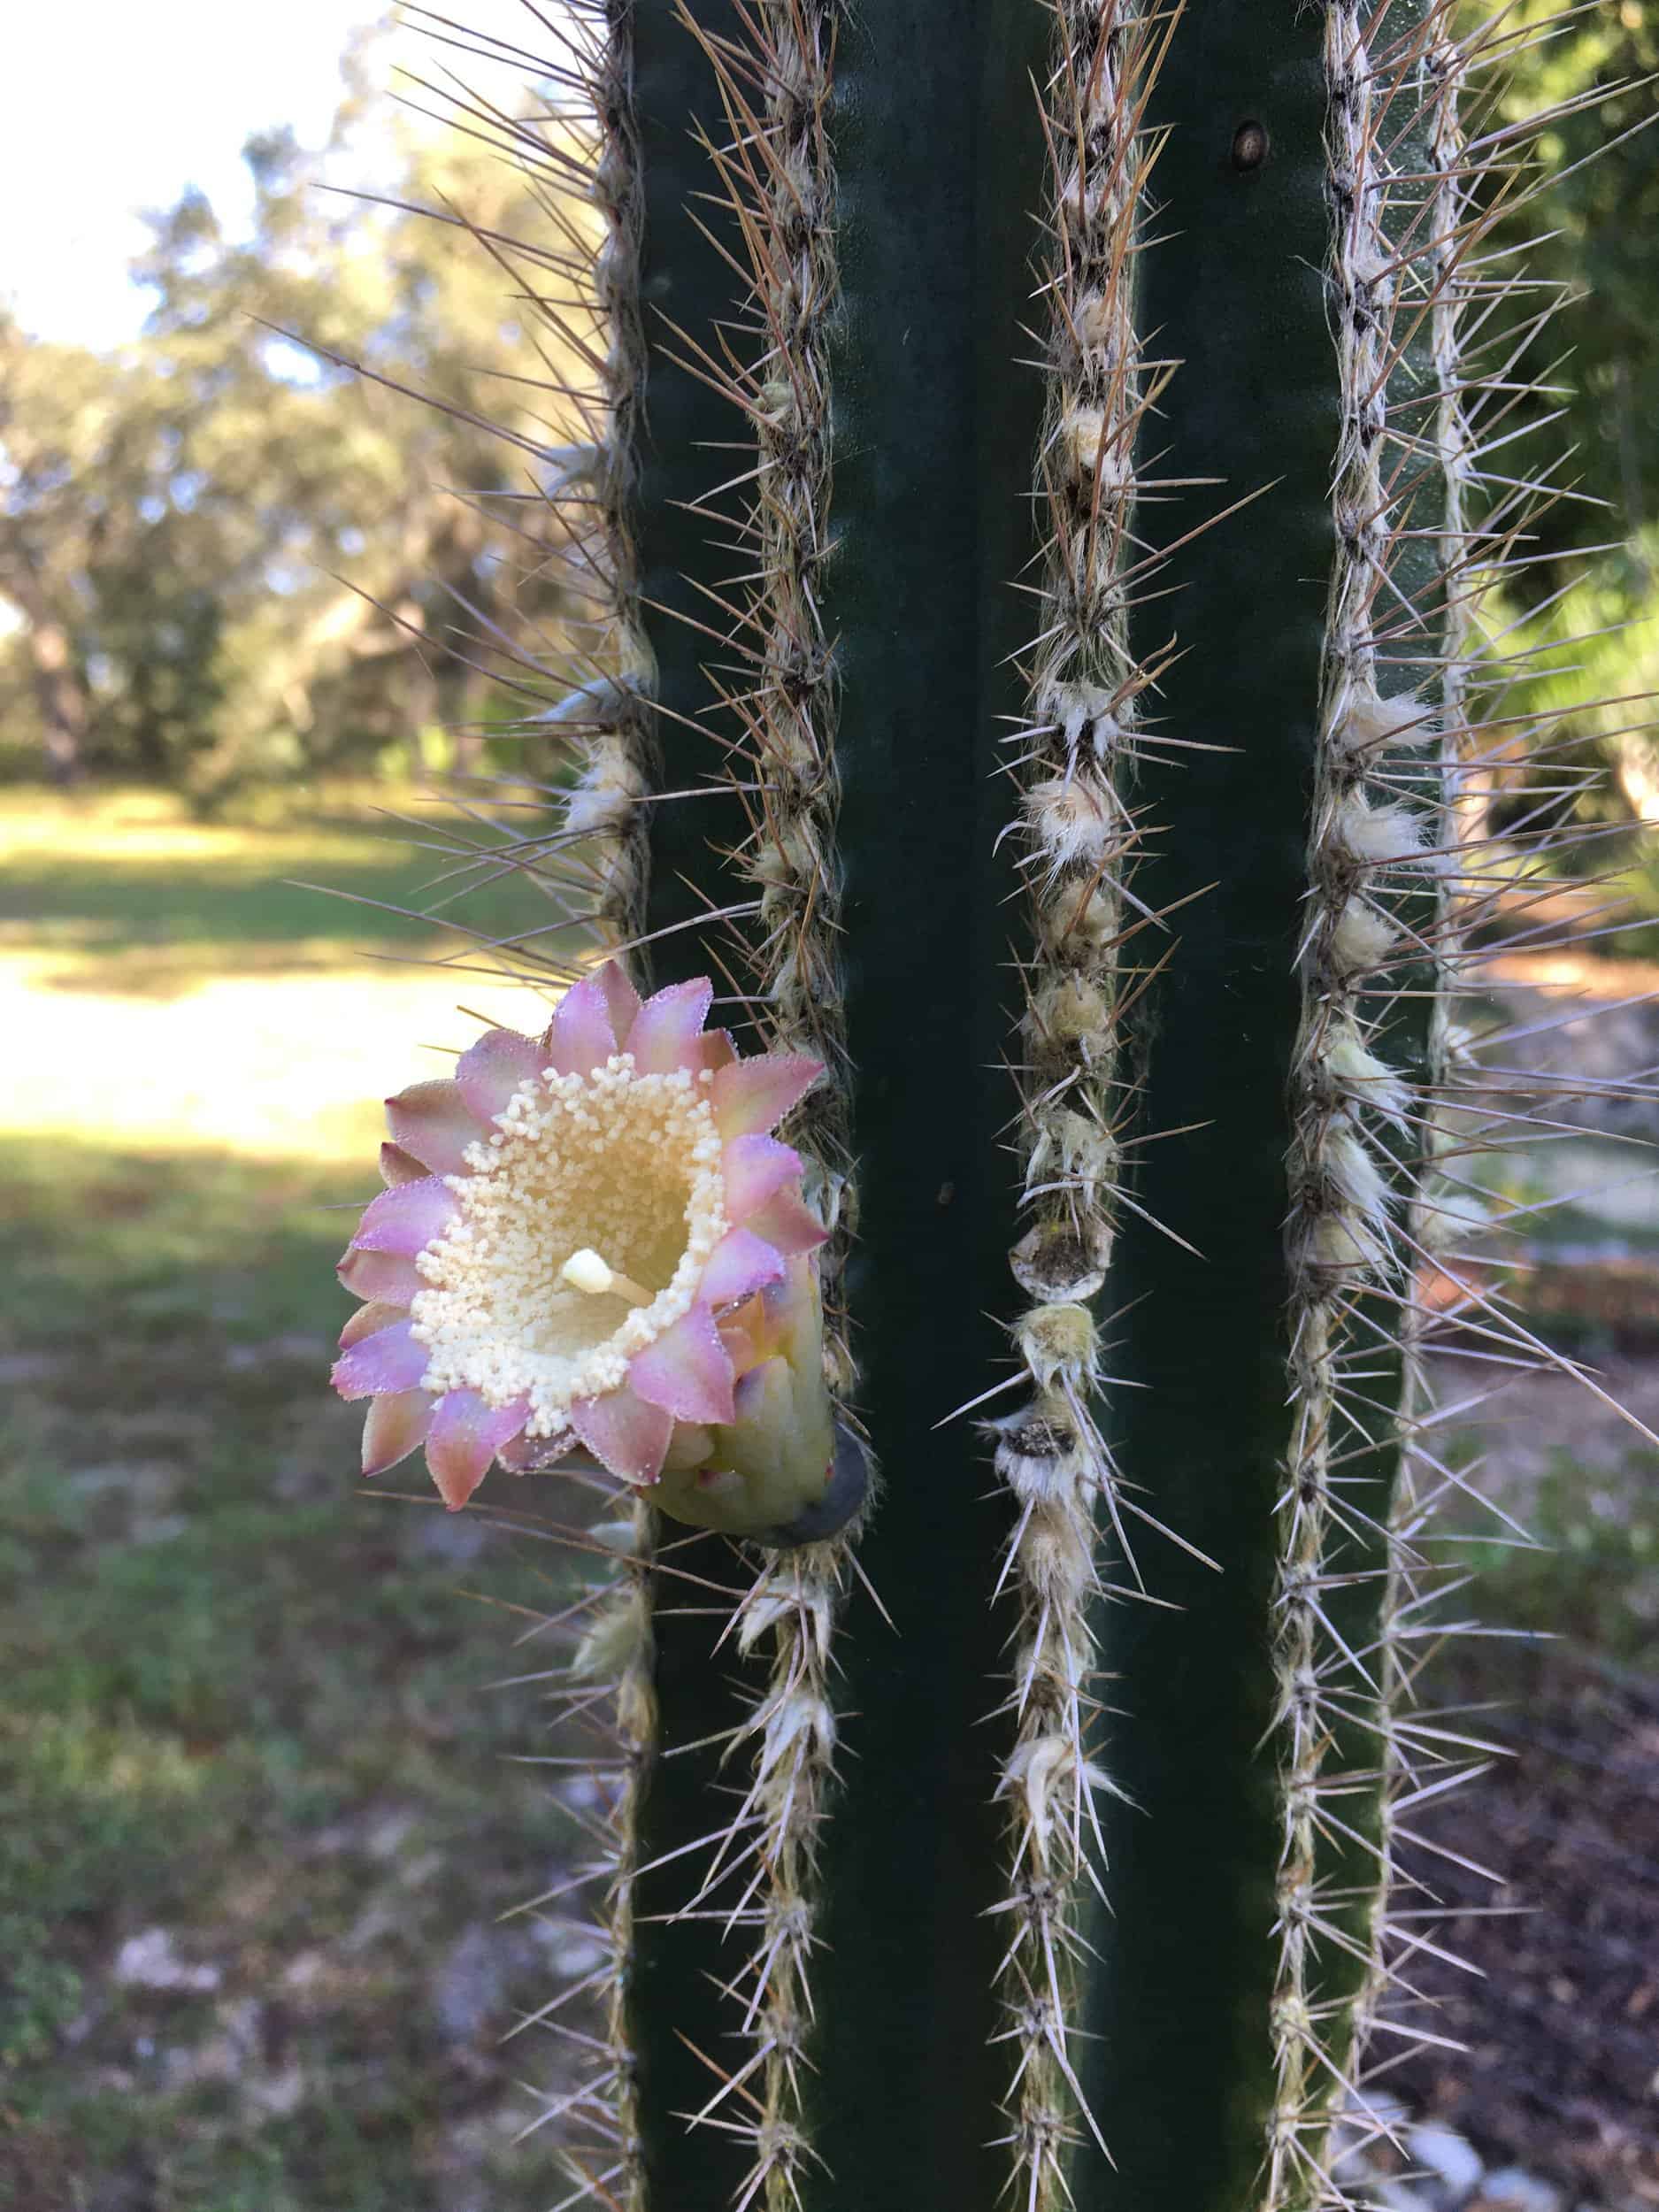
(589, 1271)
(520, 1302)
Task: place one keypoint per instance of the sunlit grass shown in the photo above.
(240, 1699)
(270, 1065)
(124, 891)
(163, 985)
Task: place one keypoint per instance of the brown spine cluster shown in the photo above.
(602, 855)
(1373, 862)
(776, 173)
(608, 711)
(1078, 835)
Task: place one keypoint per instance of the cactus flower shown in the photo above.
(590, 1243)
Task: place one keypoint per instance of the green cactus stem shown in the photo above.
(1237, 296)
(1040, 507)
(935, 426)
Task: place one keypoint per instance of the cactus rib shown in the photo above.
(1073, 771)
(1138, 1019)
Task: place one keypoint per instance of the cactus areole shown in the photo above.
(1021, 500)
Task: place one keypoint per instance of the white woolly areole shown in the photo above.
(1362, 939)
(1076, 708)
(1363, 722)
(1083, 433)
(1378, 836)
(623, 1164)
(605, 798)
(1360, 1075)
(1072, 819)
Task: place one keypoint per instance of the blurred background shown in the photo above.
(263, 1812)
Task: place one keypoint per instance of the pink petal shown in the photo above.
(668, 1034)
(406, 1219)
(396, 1425)
(622, 1001)
(466, 1434)
(489, 1073)
(388, 1275)
(369, 1321)
(398, 1166)
(624, 1433)
(389, 1360)
(522, 1455)
(740, 1264)
(718, 1051)
(688, 1371)
(579, 1036)
(756, 1094)
(431, 1121)
(754, 1168)
(788, 1224)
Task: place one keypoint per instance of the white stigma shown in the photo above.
(587, 1271)
(579, 1171)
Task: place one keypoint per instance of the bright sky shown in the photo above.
(108, 107)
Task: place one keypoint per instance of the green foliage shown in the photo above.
(41, 1994)
(1590, 232)
(1584, 599)
(176, 519)
(1593, 1575)
(1590, 675)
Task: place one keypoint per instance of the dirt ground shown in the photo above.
(1560, 2018)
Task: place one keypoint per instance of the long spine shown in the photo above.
(794, 1726)
(1407, 1757)
(1339, 1229)
(730, 691)
(1073, 771)
(1350, 1559)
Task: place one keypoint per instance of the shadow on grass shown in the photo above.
(242, 1729)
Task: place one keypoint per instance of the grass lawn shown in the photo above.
(260, 1825)
(161, 902)
(263, 1813)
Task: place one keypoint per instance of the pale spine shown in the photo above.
(776, 172)
(1078, 835)
(1339, 1234)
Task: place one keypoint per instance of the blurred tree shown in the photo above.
(56, 407)
(1582, 618)
(1595, 233)
(176, 521)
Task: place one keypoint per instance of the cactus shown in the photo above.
(1025, 490)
